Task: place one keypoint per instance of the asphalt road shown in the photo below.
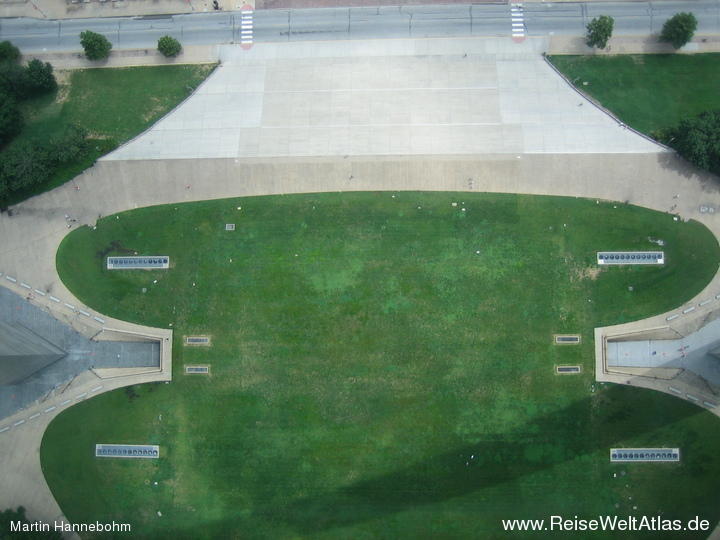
(536, 19)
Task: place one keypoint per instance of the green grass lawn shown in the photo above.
(113, 104)
(649, 91)
(382, 366)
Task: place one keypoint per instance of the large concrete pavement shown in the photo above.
(428, 97)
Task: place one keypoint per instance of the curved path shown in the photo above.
(377, 115)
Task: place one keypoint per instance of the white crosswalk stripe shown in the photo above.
(517, 20)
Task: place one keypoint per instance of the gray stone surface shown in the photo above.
(384, 98)
(82, 353)
(23, 353)
(692, 352)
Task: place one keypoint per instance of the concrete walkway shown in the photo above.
(396, 97)
(528, 133)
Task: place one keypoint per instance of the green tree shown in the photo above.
(600, 30)
(697, 139)
(39, 78)
(4, 190)
(11, 120)
(679, 29)
(96, 46)
(169, 46)
(9, 516)
(12, 79)
(70, 145)
(26, 164)
(9, 52)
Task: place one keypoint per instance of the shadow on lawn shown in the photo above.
(497, 460)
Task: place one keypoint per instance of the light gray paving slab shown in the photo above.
(384, 98)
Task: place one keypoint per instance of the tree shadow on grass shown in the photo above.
(542, 443)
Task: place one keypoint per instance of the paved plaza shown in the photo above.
(434, 97)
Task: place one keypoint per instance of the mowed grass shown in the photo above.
(650, 91)
(117, 103)
(382, 366)
(113, 104)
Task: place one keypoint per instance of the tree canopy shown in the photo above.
(39, 78)
(679, 29)
(600, 30)
(18, 82)
(697, 139)
(28, 163)
(9, 52)
(11, 120)
(169, 46)
(96, 46)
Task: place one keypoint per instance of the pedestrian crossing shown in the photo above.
(246, 27)
(518, 22)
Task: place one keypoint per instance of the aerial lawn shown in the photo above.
(113, 104)
(382, 365)
(647, 91)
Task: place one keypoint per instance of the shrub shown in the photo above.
(599, 31)
(96, 46)
(169, 46)
(679, 29)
